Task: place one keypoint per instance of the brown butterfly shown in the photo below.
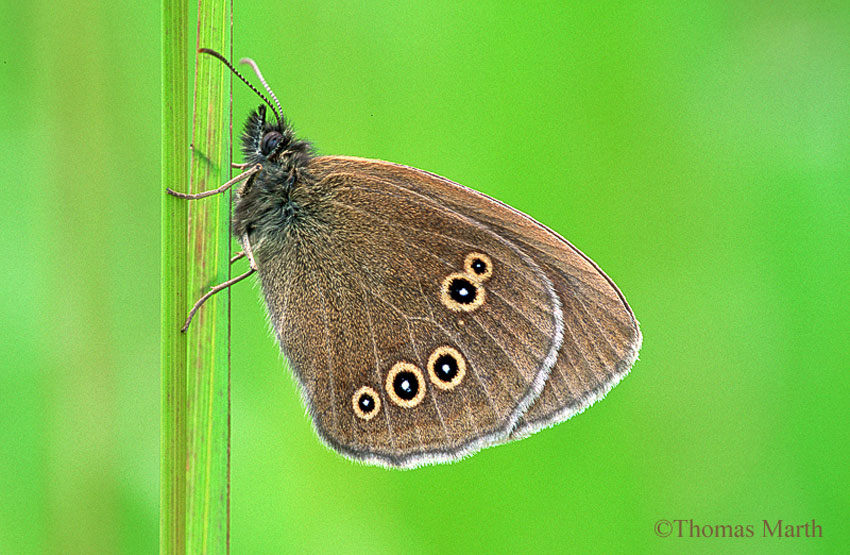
(423, 320)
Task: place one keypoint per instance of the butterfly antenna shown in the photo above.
(239, 75)
(256, 68)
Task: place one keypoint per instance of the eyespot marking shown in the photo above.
(405, 385)
(462, 292)
(446, 367)
(479, 265)
(366, 403)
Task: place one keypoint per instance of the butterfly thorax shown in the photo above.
(273, 199)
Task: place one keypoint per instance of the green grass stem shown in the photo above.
(174, 244)
(195, 468)
(208, 371)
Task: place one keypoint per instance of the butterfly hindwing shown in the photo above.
(601, 337)
(376, 283)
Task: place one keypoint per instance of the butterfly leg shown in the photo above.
(210, 293)
(241, 177)
(247, 252)
(253, 264)
(246, 244)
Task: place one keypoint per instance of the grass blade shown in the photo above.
(175, 165)
(208, 372)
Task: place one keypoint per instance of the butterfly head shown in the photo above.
(273, 143)
(266, 203)
(269, 202)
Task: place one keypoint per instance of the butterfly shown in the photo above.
(422, 319)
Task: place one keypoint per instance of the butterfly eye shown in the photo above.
(366, 403)
(446, 367)
(270, 142)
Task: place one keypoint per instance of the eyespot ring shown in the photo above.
(364, 412)
(462, 292)
(455, 373)
(400, 389)
(479, 265)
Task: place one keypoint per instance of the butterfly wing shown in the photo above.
(405, 354)
(601, 337)
(367, 297)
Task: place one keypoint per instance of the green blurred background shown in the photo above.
(698, 151)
